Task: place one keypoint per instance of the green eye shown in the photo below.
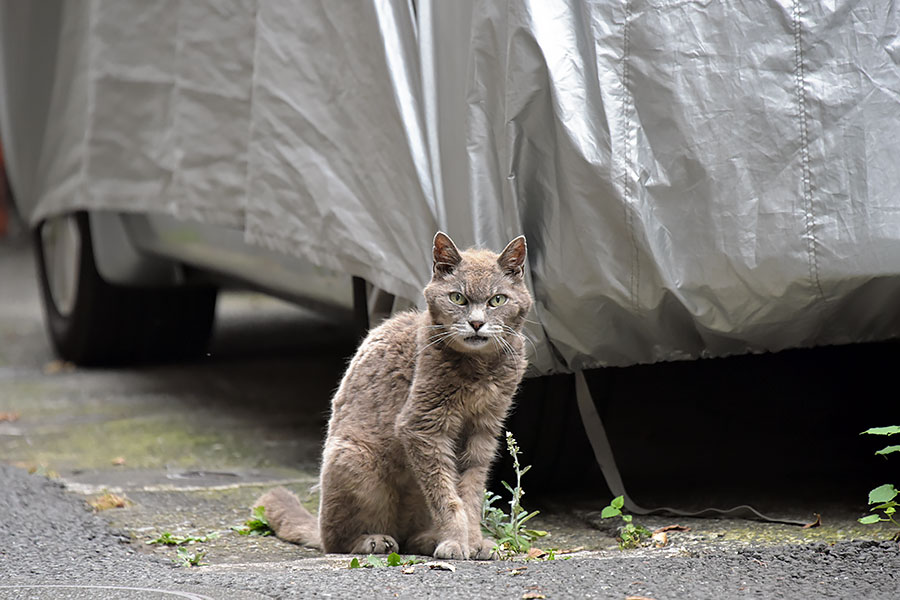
(457, 298)
(497, 300)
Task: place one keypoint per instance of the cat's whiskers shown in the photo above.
(510, 351)
(503, 344)
(441, 335)
(437, 338)
(520, 335)
(437, 327)
(493, 339)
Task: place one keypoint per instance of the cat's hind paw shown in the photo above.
(452, 550)
(484, 550)
(374, 544)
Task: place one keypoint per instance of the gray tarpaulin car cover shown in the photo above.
(694, 178)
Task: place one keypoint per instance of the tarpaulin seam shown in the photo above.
(804, 154)
(175, 136)
(251, 124)
(627, 197)
(90, 108)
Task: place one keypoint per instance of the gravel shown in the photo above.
(51, 538)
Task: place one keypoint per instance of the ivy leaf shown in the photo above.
(892, 430)
(883, 493)
(869, 519)
(618, 502)
(888, 450)
(609, 512)
(354, 564)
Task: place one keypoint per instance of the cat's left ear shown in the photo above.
(512, 259)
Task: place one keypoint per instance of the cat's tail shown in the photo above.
(288, 519)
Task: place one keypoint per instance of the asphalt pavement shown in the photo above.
(187, 448)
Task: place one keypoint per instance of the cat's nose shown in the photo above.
(476, 325)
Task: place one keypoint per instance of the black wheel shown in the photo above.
(95, 323)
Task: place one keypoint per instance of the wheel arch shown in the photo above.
(118, 259)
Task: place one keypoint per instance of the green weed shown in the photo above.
(631, 535)
(190, 559)
(256, 525)
(509, 529)
(884, 497)
(168, 539)
(393, 560)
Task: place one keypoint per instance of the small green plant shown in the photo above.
(884, 496)
(168, 539)
(393, 560)
(509, 529)
(255, 525)
(190, 559)
(545, 555)
(631, 535)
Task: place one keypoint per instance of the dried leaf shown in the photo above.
(408, 570)
(533, 596)
(118, 461)
(570, 550)
(441, 566)
(107, 501)
(660, 539)
(535, 553)
(816, 523)
(58, 366)
(9, 416)
(672, 528)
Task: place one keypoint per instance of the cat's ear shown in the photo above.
(446, 256)
(512, 259)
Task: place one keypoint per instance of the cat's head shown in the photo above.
(477, 296)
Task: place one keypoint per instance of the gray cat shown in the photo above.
(415, 421)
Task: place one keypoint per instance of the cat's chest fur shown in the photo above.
(482, 396)
(465, 395)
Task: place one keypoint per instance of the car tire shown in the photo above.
(95, 323)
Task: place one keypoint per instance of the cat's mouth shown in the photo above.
(475, 339)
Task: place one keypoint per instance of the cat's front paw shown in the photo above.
(484, 550)
(374, 544)
(451, 549)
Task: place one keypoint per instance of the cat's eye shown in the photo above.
(457, 298)
(497, 300)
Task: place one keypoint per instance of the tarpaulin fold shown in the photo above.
(695, 179)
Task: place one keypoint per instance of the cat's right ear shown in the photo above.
(446, 256)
